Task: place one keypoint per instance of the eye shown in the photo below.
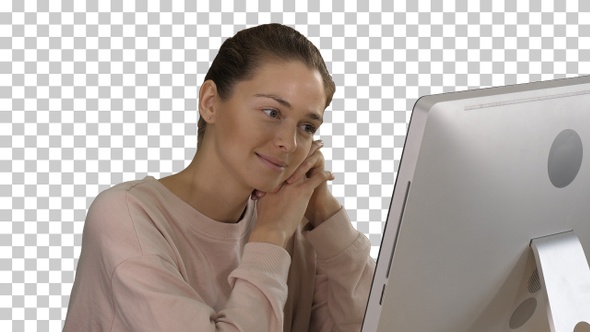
(271, 112)
(308, 128)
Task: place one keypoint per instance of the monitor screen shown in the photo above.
(483, 173)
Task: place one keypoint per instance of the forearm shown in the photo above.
(322, 206)
(345, 271)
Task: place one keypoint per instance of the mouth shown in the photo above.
(272, 162)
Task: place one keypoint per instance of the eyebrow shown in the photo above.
(276, 98)
(310, 115)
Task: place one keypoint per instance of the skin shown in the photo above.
(259, 143)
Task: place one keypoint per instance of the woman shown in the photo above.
(248, 236)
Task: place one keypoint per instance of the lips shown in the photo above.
(272, 162)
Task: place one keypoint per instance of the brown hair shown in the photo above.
(239, 56)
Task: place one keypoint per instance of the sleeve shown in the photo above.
(149, 294)
(118, 287)
(344, 275)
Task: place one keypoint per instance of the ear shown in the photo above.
(207, 97)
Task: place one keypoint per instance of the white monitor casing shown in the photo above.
(483, 173)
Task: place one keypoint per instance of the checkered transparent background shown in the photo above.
(93, 93)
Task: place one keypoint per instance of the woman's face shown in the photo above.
(264, 131)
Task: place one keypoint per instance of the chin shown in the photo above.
(268, 186)
(269, 182)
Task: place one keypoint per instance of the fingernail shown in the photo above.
(320, 142)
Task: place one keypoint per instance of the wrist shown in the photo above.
(329, 207)
(266, 236)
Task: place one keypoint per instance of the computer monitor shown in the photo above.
(489, 223)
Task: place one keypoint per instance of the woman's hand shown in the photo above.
(294, 199)
(280, 212)
(302, 170)
(322, 205)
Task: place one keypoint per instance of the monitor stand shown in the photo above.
(565, 276)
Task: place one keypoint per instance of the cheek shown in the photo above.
(238, 131)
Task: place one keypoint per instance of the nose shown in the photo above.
(286, 138)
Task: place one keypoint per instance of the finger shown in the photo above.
(316, 145)
(256, 194)
(306, 165)
(320, 177)
(314, 161)
(277, 188)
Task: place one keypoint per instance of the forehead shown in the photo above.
(293, 81)
(287, 69)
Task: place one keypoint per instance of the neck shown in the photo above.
(200, 186)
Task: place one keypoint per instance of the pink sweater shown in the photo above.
(151, 262)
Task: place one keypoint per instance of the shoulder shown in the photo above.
(116, 201)
(121, 225)
(110, 218)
